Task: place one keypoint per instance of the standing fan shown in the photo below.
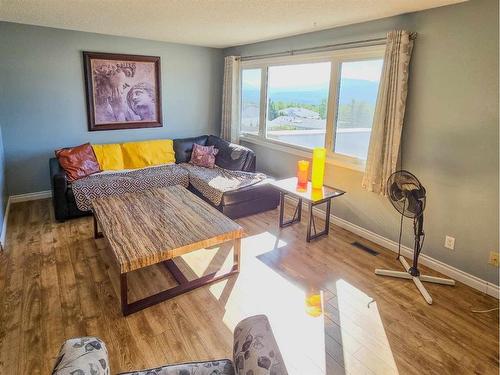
(407, 195)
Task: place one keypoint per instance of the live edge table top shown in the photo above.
(159, 224)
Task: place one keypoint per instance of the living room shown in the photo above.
(298, 187)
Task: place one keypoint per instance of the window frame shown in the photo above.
(335, 58)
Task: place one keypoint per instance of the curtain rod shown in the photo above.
(374, 41)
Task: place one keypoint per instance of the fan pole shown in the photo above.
(418, 230)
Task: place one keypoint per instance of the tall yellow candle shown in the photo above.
(318, 167)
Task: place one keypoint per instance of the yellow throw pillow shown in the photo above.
(110, 156)
(148, 153)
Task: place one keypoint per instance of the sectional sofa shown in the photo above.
(236, 203)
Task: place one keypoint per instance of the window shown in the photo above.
(325, 99)
(250, 101)
(356, 105)
(297, 98)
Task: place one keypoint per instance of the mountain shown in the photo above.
(361, 90)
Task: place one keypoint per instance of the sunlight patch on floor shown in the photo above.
(363, 335)
(299, 331)
(261, 290)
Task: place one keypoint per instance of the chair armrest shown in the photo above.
(255, 349)
(59, 185)
(83, 356)
(232, 156)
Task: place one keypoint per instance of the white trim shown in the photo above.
(304, 152)
(4, 224)
(30, 196)
(459, 275)
(335, 58)
(16, 199)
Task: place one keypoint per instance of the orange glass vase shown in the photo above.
(302, 175)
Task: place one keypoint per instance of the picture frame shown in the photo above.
(123, 91)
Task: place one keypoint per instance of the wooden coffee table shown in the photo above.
(156, 226)
(313, 197)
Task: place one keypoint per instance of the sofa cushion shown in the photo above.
(109, 156)
(203, 156)
(147, 153)
(78, 162)
(216, 367)
(214, 182)
(230, 156)
(184, 146)
(115, 183)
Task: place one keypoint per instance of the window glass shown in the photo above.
(250, 101)
(357, 97)
(297, 97)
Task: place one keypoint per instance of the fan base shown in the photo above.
(416, 279)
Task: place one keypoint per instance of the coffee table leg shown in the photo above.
(184, 286)
(124, 293)
(237, 254)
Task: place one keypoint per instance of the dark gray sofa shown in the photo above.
(238, 203)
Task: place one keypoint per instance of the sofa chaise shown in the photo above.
(240, 202)
(255, 352)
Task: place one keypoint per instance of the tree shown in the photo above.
(271, 110)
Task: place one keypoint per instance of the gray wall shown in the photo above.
(450, 138)
(42, 103)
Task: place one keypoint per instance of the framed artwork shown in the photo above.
(123, 91)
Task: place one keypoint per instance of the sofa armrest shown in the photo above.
(255, 350)
(232, 156)
(59, 185)
(83, 356)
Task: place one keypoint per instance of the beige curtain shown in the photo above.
(230, 129)
(388, 119)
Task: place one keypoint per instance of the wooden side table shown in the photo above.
(313, 197)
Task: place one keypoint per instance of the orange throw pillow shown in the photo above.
(78, 162)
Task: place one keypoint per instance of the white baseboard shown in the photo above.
(20, 198)
(30, 196)
(4, 224)
(456, 274)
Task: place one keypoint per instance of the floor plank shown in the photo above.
(57, 281)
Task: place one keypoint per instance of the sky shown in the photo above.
(312, 75)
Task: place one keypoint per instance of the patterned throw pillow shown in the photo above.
(203, 156)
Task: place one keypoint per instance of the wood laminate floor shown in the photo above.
(57, 282)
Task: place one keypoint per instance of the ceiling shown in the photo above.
(212, 23)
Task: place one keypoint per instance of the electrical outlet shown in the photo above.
(449, 242)
(493, 258)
